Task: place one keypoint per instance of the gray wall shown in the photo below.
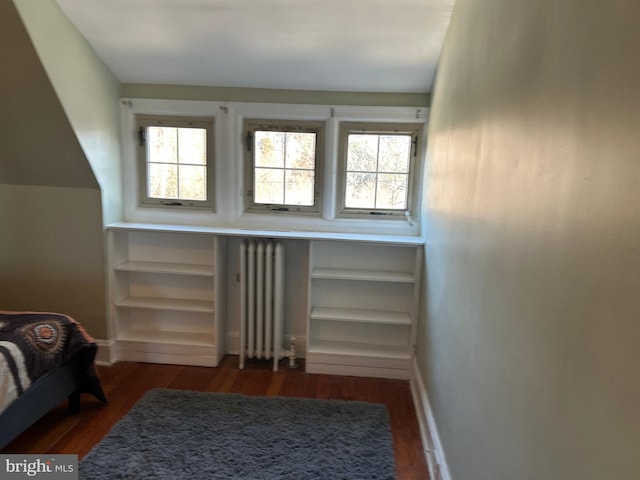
(530, 343)
(51, 253)
(51, 204)
(267, 95)
(87, 90)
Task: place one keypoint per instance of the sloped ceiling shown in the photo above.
(333, 45)
(39, 146)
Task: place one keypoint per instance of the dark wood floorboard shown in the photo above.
(125, 382)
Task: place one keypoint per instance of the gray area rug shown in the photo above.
(177, 434)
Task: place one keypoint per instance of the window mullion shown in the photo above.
(284, 170)
(178, 161)
(375, 190)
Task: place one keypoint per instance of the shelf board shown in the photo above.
(384, 239)
(171, 268)
(175, 304)
(362, 275)
(353, 349)
(360, 316)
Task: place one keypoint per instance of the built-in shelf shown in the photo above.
(354, 349)
(360, 316)
(173, 304)
(168, 298)
(169, 338)
(168, 302)
(310, 235)
(361, 275)
(168, 268)
(362, 308)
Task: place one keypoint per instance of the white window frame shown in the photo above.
(250, 126)
(144, 121)
(415, 130)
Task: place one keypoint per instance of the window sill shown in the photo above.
(251, 232)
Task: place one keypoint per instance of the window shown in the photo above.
(282, 160)
(175, 158)
(377, 168)
(269, 166)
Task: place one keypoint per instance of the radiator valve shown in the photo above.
(291, 354)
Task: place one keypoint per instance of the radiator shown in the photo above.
(261, 300)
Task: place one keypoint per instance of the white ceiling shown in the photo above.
(338, 45)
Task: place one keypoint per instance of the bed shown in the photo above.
(44, 358)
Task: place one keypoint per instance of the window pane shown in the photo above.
(300, 150)
(163, 181)
(282, 163)
(269, 185)
(162, 144)
(361, 190)
(175, 157)
(299, 187)
(395, 151)
(193, 181)
(392, 191)
(269, 149)
(362, 153)
(192, 146)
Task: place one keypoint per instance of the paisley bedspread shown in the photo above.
(33, 344)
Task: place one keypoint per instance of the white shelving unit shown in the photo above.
(363, 305)
(167, 289)
(167, 295)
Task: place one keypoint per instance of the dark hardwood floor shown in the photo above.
(124, 383)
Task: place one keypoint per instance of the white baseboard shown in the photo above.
(233, 344)
(434, 453)
(356, 370)
(106, 352)
(166, 358)
(108, 349)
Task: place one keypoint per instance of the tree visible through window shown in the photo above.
(284, 162)
(285, 167)
(177, 163)
(377, 169)
(176, 166)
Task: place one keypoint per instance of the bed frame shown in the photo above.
(44, 394)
